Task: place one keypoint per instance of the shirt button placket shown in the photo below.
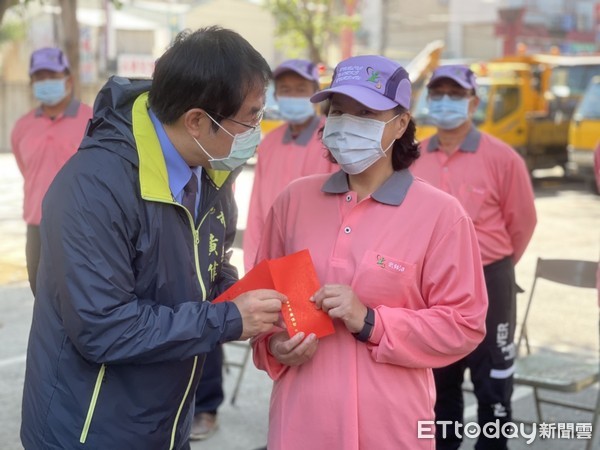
(348, 198)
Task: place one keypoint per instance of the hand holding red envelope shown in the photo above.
(294, 276)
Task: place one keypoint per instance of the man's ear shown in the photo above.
(194, 121)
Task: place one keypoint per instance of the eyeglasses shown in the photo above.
(452, 95)
(251, 127)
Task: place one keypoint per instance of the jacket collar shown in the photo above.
(154, 179)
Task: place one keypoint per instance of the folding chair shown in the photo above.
(551, 370)
(228, 362)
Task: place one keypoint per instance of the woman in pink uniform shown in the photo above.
(401, 277)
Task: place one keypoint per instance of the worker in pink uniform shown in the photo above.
(45, 138)
(400, 271)
(597, 176)
(491, 182)
(291, 151)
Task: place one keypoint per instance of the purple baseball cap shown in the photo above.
(377, 82)
(48, 58)
(302, 67)
(458, 73)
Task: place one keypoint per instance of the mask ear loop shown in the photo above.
(393, 140)
(211, 158)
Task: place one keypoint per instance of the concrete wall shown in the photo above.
(411, 25)
(252, 21)
(467, 27)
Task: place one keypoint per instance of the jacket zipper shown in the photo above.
(90, 413)
(187, 391)
(196, 235)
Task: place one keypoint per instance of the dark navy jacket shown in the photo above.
(120, 319)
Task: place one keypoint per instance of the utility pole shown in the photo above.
(347, 33)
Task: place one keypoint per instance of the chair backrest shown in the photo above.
(571, 272)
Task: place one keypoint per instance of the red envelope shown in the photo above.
(295, 276)
(258, 278)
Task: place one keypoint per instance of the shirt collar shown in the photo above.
(469, 145)
(305, 135)
(178, 171)
(70, 111)
(392, 192)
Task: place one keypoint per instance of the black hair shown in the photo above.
(405, 150)
(212, 68)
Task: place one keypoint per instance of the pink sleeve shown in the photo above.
(597, 166)
(255, 221)
(597, 174)
(453, 323)
(271, 246)
(518, 207)
(15, 137)
(263, 359)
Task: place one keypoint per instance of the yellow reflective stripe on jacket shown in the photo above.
(90, 413)
(187, 391)
(154, 179)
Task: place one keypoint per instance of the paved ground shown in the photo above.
(568, 228)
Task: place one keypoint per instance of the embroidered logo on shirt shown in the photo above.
(391, 265)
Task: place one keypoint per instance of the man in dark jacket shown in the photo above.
(136, 235)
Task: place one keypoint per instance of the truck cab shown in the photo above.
(584, 132)
(526, 101)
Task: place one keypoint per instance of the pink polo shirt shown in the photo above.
(597, 175)
(41, 147)
(491, 182)
(410, 252)
(281, 160)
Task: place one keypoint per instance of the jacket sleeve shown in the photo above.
(89, 229)
(518, 206)
(271, 246)
(453, 323)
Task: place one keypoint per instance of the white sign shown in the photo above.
(135, 66)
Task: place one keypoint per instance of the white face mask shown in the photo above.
(355, 142)
(295, 109)
(50, 92)
(448, 114)
(242, 149)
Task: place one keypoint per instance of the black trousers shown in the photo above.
(33, 247)
(491, 365)
(209, 394)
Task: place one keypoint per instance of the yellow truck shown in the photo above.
(584, 133)
(527, 101)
